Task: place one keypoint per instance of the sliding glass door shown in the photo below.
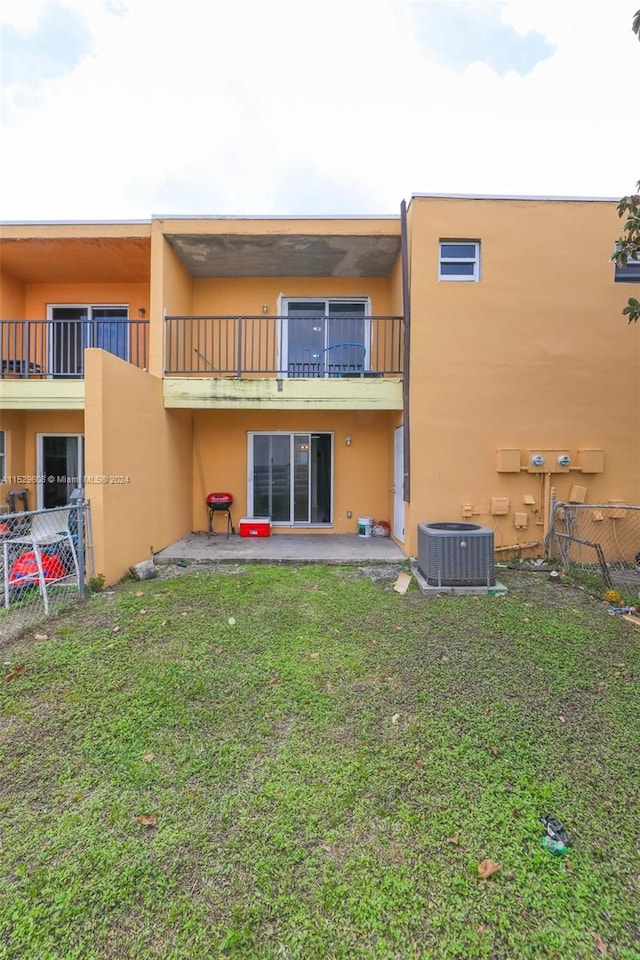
(60, 468)
(326, 338)
(290, 477)
(72, 328)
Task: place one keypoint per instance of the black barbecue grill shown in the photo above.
(220, 503)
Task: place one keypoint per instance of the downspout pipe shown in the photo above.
(406, 317)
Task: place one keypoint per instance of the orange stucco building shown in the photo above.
(412, 368)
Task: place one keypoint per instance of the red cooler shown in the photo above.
(255, 526)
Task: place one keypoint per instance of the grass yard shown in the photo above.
(284, 762)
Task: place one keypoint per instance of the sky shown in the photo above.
(124, 109)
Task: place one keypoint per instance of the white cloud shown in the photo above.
(23, 15)
(180, 106)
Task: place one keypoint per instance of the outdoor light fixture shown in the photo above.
(347, 440)
(265, 308)
(142, 312)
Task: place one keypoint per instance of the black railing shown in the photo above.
(322, 346)
(38, 349)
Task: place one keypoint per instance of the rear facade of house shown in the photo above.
(464, 360)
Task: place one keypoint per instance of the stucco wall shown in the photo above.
(11, 297)
(535, 355)
(22, 429)
(38, 295)
(171, 294)
(129, 435)
(226, 295)
(362, 471)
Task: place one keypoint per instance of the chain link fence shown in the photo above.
(600, 542)
(46, 561)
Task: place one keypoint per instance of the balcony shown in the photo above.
(283, 346)
(340, 361)
(47, 357)
(44, 349)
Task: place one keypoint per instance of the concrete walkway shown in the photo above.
(282, 548)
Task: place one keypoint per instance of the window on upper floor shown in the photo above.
(459, 260)
(630, 273)
(3, 456)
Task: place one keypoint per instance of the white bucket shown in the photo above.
(365, 526)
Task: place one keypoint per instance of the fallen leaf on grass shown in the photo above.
(515, 812)
(418, 764)
(274, 682)
(494, 750)
(41, 636)
(313, 656)
(142, 611)
(139, 593)
(599, 944)
(147, 820)
(149, 757)
(14, 673)
(487, 869)
(562, 718)
(454, 839)
(395, 718)
(116, 629)
(325, 847)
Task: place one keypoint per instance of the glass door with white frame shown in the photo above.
(72, 328)
(290, 477)
(60, 468)
(326, 338)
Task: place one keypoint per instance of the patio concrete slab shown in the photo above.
(281, 548)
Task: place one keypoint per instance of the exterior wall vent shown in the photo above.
(456, 554)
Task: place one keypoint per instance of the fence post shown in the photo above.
(548, 540)
(77, 501)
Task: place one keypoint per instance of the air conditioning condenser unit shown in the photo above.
(453, 554)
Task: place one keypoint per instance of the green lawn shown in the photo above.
(326, 762)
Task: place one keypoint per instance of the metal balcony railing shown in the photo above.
(281, 346)
(43, 349)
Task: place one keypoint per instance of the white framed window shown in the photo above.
(459, 260)
(630, 273)
(3, 456)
